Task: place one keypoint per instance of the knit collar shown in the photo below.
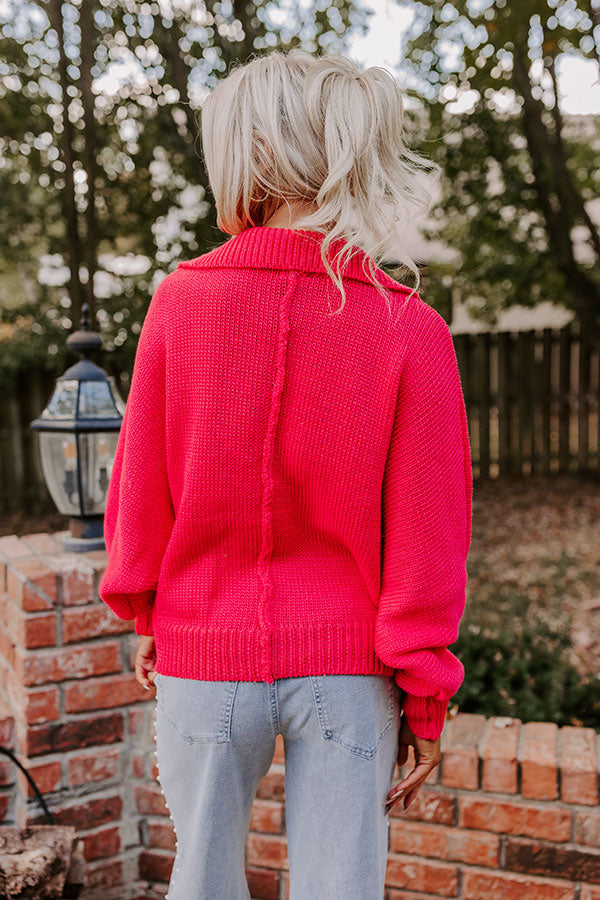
(268, 247)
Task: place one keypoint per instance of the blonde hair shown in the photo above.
(291, 126)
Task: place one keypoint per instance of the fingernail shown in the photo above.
(147, 686)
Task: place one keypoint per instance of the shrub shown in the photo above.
(527, 672)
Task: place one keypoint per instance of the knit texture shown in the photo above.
(291, 490)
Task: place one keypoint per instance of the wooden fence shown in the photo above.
(532, 399)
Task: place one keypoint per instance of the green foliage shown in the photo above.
(151, 66)
(517, 168)
(525, 670)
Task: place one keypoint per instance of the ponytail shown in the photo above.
(297, 127)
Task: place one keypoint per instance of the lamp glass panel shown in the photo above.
(96, 454)
(63, 402)
(96, 401)
(119, 402)
(58, 456)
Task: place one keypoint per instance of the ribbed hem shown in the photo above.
(425, 716)
(143, 622)
(233, 654)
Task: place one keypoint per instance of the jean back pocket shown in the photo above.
(200, 711)
(354, 711)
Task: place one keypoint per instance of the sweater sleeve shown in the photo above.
(426, 526)
(139, 517)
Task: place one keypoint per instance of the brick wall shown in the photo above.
(7, 766)
(511, 811)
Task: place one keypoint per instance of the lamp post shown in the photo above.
(77, 437)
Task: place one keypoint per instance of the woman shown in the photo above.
(289, 513)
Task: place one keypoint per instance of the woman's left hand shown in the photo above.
(145, 661)
(427, 754)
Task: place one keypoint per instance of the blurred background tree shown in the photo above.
(519, 175)
(101, 172)
(104, 188)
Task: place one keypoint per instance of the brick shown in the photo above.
(578, 765)
(137, 720)
(97, 558)
(539, 760)
(161, 835)
(102, 844)
(76, 578)
(103, 693)
(5, 800)
(499, 755)
(42, 543)
(41, 706)
(587, 827)
(393, 894)
(47, 776)
(75, 734)
(509, 817)
(504, 886)
(39, 631)
(35, 669)
(419, 874)
(460, 753)
(271, 786)
(279, 754)
(32, 584)
(589, 892)
(154, 866)
(138, 765)
(9, 617)
(266, 850)
(96, 620)
(430, 805)
(7, 771)
(264, 884)
(104, 875)
(7, 727)
(7, 648)
(536, 858)
(454, 844)
(95, 812)
(150, 800)
(95, 765)
(13, 547)
(267, 817)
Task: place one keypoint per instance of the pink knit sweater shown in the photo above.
(291, 491)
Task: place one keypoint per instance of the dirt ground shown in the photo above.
(536, 548)
(25, 523)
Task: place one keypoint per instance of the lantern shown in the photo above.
(77, 438)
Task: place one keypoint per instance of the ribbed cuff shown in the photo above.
(125, 605)
(143, 622)
(425, 716)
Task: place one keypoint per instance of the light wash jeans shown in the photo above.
(215, 741)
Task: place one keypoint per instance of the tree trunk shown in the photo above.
(73, 242)
(88, 43)
(559, 201)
